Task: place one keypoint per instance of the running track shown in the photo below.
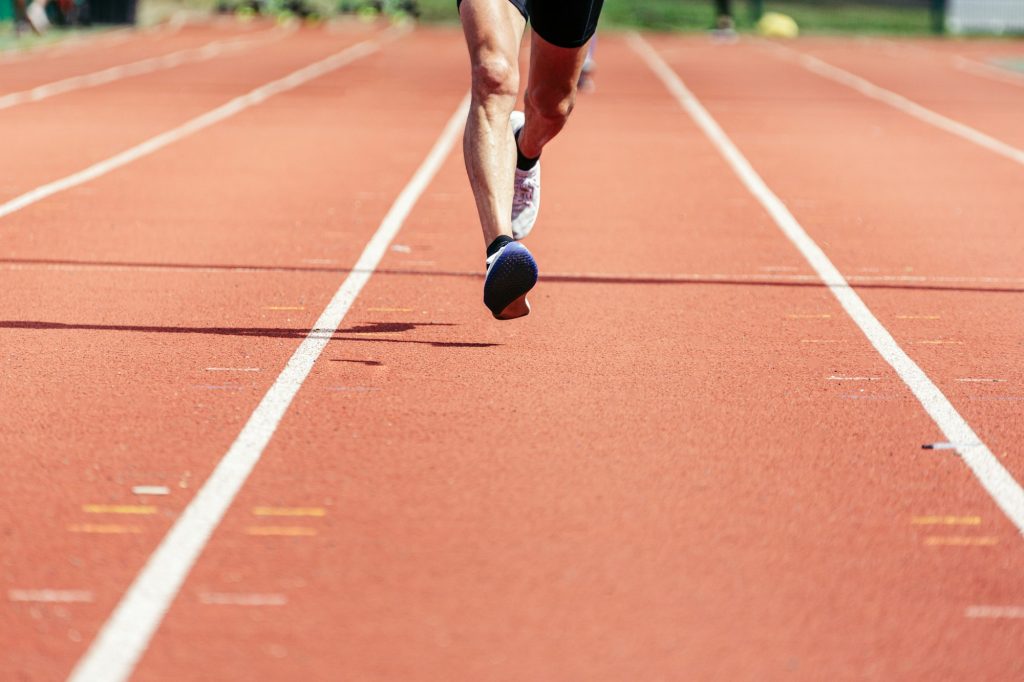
(688, 463)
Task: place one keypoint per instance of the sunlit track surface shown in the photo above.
(947, 98)
(687, 461)
(166, 60)
(93, 41)
(159, 101)
(113, 49)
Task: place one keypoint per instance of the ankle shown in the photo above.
(524, 162)
(498, 244)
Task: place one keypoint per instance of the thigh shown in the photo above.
(565, 23)
(554, 70)
(493, 28)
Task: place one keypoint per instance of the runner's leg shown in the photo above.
(550, 92)
(494, 31)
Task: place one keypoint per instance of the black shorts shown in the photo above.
(565, 23)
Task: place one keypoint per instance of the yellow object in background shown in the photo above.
(776, 25)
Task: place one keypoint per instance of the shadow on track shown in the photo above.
(856, 281)
(264, 332)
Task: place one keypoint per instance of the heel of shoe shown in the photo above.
(517, 308)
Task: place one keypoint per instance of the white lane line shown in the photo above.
(907, 106)
(138, 68)
(126, 634)
(51, 596)
(151, 490)
(203, 121)
(997, 481)
(960, 62)
(994, 612)
(946, 446)
(989, 71)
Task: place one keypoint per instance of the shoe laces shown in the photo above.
(524, 191)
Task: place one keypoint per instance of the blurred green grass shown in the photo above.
(855, 18)
(813, 16)
(28, 40)
(698, 15)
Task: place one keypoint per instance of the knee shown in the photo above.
(494, 76)
(553, 102)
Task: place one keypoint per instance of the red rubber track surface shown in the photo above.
(923, 76)
(98, 40)
(138, 108)
(980, 50)
(665, 472)
(32, 70)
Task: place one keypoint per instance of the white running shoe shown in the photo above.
(526, 199)
(37, 18)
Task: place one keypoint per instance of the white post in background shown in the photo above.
(985, 16)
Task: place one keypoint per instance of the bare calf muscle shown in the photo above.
(501, 162)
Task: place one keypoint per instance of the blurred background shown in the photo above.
(24, 23)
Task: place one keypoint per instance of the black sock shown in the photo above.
(497, 244)
(524, 163)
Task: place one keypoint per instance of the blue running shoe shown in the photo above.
(511, 273)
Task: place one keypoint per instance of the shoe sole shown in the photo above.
(508, 281)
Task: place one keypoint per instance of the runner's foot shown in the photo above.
(37, 18)
(526, 200)
(586, 80)
(511, 273)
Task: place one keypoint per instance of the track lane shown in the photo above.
(551, 499)
(53, 145)
(82, 345)
(991, 60)
(989, 105)
(813, 562)
(134, 68)
(960, 230)
(97, 40)
(958, 336)
(1005, 491)
(30, 73)
(972, 48)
